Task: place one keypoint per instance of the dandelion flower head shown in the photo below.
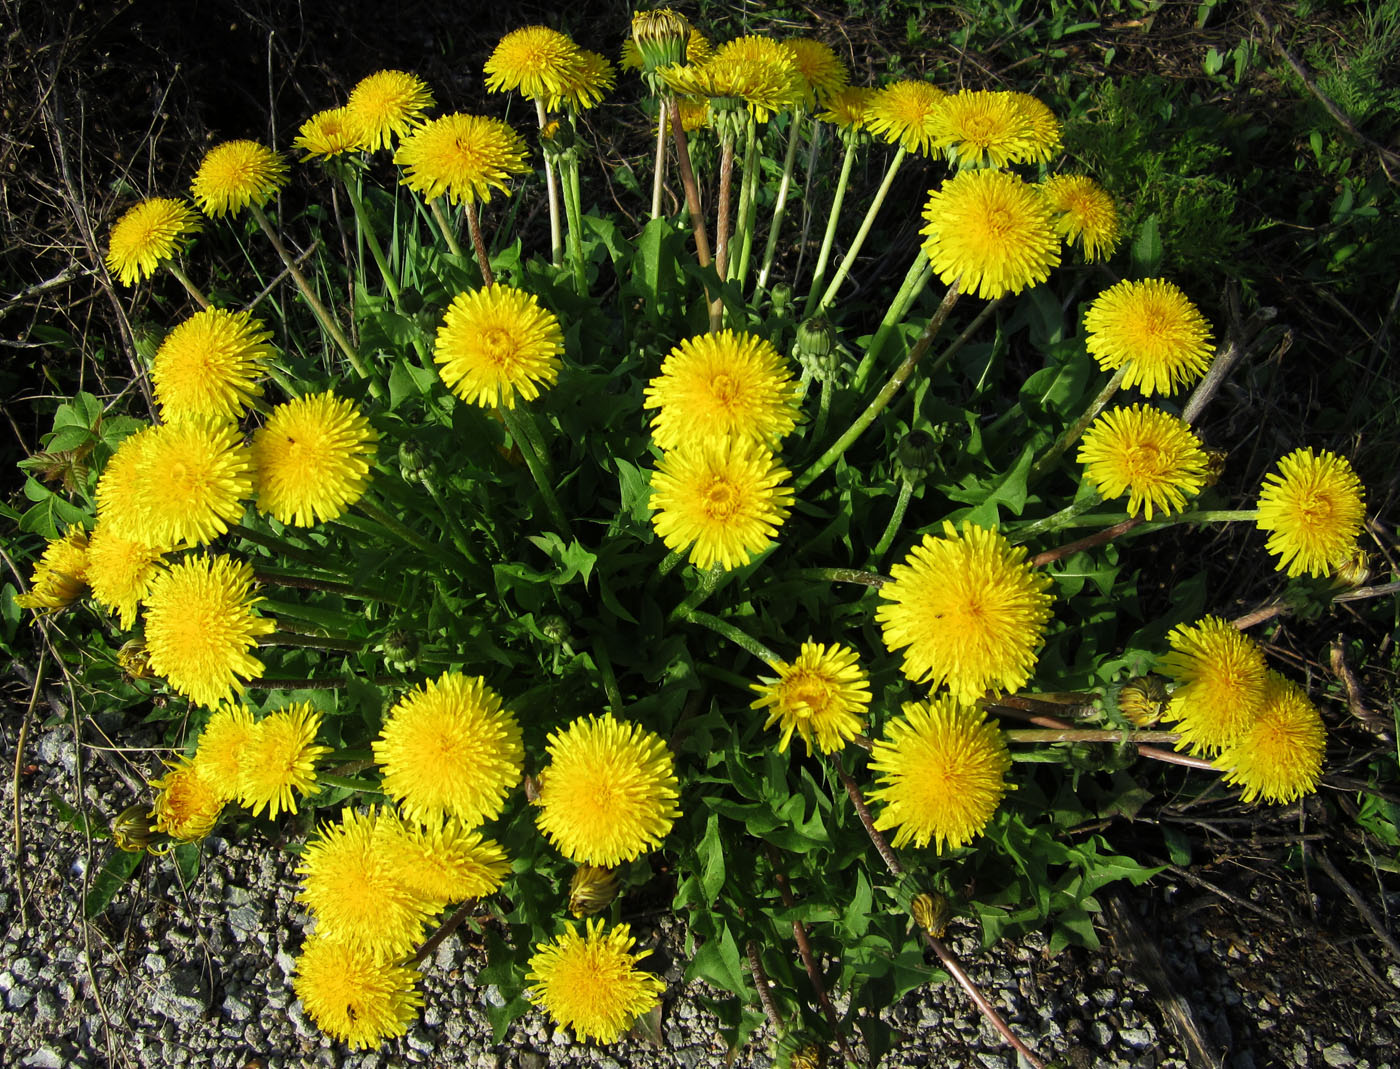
(535, 61)
(587, 81)
(236, 174)
(209, 365)
(1219, 674)
(1146, 453)
(1277, 755)
(311, 459)
(148, 234)
(328, 134)
(223, 745)
(822, 696)
(120, 571)
(755, 70)
(847, 108)
(609, 793)
(462, 157)
(280, 761)
(1044, 128)
(497, 342)
(906, 113)
(1313, 508)
(1153, 328)
(353, 995)
(589, 982)
(187, 805)
(823, 74)
(385, 105)
(60, 575)
(191, 481)
(977, 128)
(119, 507)
(942, 774)
(443, 863)
(1083, 212)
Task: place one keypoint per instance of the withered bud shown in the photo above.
(591, 890)
(931, 913)
(132, 829)
(1143, 700)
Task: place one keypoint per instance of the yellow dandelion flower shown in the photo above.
(1083, 212)
(968, 611)
(587, 80)
(119, 507)
(192, 480)
(725, 385)
(667, 39)
(1154, 329)
(1146, 453)
(977, 128)
(311, 460)
(461, 157)
(354, 893)
(281, 758)
(148, 234)
(222, 749)
(119, 571)
(386, 105)
(535, 61)
(450, 749)
(590, 982)
(609, 793)
(328, 134)
(209, 365)
(905, 113)
(942, 774)
(60, 575)
(1313, 508)
(723, 498)
(1277, 755)
(236, 174)
(694, 113)
(823, 75)
(847, 109)
(497, 342)
(354, 996)
(822, 695)
(989, 232)
(1219, 675)
(1045, 140)
(200, 627)
(444, 864)
(187, 806)
(766, 83)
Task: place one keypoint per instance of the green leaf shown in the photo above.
(857, 917)
(1073, 927)
(187, 862)
(711, 854)
(718, 961)
(1147, 249)
(119, 867)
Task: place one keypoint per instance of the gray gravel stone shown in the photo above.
(43, 1058)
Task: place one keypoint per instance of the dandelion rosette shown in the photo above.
(942, 774)
(279, 761)
(191, 480)
(462, 157)
(978, 128)
(60, 575)
(989, 232)
(450, 749)
(223, 745)
(589, 982)
(327, 134)
(724, 385)
(311, 459)
(1083, 213)
(1153, 329)
(119, 571)
(722, 498)
(187, 805)
(905, 113)
(495, 343)
(386, 105)
(1277, 755)
(536, 62)
(1146, 453)
(823, 74)
(823, 696)
(209, 365)
(1219, 674)
(445, 863)
(968, 611)
(609, 793)
(1313, 508)
(353, 995)
(147, 235)
(355, 893)
(200, 627)
(237, 174)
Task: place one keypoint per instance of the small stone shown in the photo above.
(177, 1007)
(297, 1016)
(23, 969)
(244, 920)
(286, 963)
(45, 1007)
(530, 1059)
(1136, 1038)
(493, 995)
(1102, 1033)
(561, 1038)
(689, 1057)
(237, 1009)
(18, 997)
(43, 1058)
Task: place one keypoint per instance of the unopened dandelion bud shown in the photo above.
(414, 462)
(815, 348)
(931, 913)
(660, 37)
(781, 297)
(132, 829)
(1143, 700)
(134, 661)
(807, 1056)
(1354, 572)
(591, 890)
(401, 650)
(917, 452)
(555, 628)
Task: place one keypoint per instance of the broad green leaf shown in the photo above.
(116, 870)
(710, 852)
(719, 962)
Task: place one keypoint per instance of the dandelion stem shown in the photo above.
(357, 204)
(843, 575)
(722, 210)
(692, 203)
(1063, 518)
(516, 423)
(281, 546)
(322, 314)
(1071, 434)
(448, 234)
(748, 202)
(850, 258)
(483, 258)
(573, 209)
(658, 177)
(605, 669)
(556, 239)
(295, 581)
(780, 205)
(814, 144)
(886, 394)
(1086, 735)
(901, 505)
(449, 516)
(727, 630)
(823, 409)
(184, 280)
(819, 272)
(311, 642)
(920, 271)
(396, 526)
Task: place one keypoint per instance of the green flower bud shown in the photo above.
(554, 628)
(661, 37)
(401, 650)
(917, 452)
(414, 462)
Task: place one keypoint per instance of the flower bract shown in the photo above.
(148, 234)
(1083, 213)
(311, 460)
(279, 761)
(1277, 755)
(495, 343)
(1219, 674)
(822, 696)
(1153, 328)
(209, 365)
(60, 576)
(1313, 508)
(385, 105)
(589, 982)
(462, 157)
(1146, 453)
(236, 174)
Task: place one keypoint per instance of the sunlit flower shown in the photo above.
(236, 174)
(1045, 140)
(200, 627)
(354, 893)
(191, 482)
(535, 61)
(1219, 675)
(354, 996)
(311, 460)
(119, 571)
(724, 499)
(119, 507)
(1083, 212)
(823, 75)
(1154, 329)
(1143, 700)
(444, 863)
(766, 83)
(658, 39)
(847, 109)
(942, 774)
(1313, 508)
(60, 575)
(281, 759)
(822, 695)
(694, 113)
(905, 113)
(385, 105)
(148, 234)
(724, 385)
(327, 134)
(209, 365)
(187, 806)
(1277, 755)
(461, 157)
(978, 128)
(497, 342)
(609, 793)
(450, 749)
(968, 611)
(1146, 453)
(587, 80)
(590, 983)
(222, 747)
(989, 232)
(592, 889)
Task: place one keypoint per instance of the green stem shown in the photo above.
(748, 201)
(886, 394)
(515, 423)
(184, 280)
(1071, 434)
(448, 233)
(311, 642)
(850, 258)
(901, 505)
(740, 638)
(573, 209)
(819, 272)
(357, 204)
(1064, 518)
(780, 205)
(316, 560)
(920, 271)
(692, 204)
(397, 527)
(296, 581)
(556, 239)
(823, 409)
(455, 529)
(658, 177)
(605, 669)
(1087, 735)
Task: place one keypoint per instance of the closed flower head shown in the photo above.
(495, 343)
(1153, 329)
(236, 174)
(279, 761)
(148, 234)
(1219, 674)
(822, 696)
(589, 982)
(386, 105)
(209, 365)
(1277, 755)
(353, 995)
(1146, 453)
(462, 157)
(311, 460)
(1313, 508)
